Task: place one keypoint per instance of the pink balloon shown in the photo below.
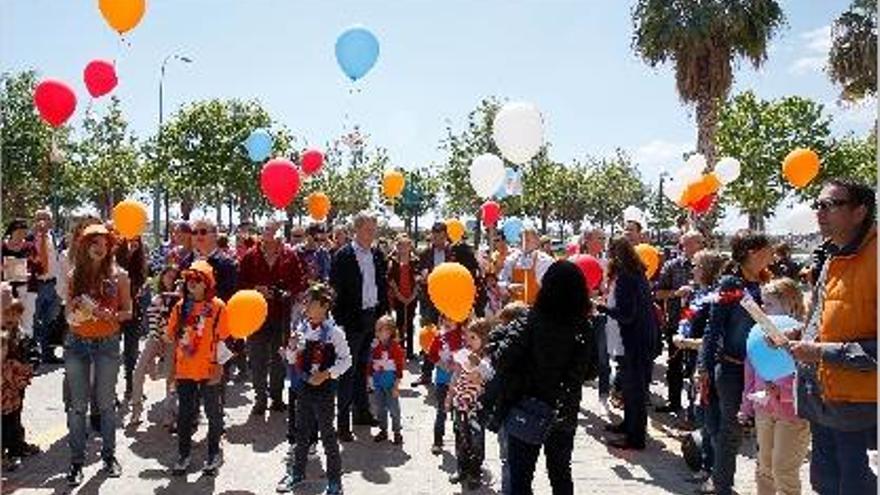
(100, 77)
(491, 213)
(571, 248)
(55, 101)
(312, 161)
(279, 181)
(591, 268)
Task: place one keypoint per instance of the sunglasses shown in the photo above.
(829, 204)
(203, 231)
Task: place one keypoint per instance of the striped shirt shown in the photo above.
(159, 311)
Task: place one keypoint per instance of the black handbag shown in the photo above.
(530, 420)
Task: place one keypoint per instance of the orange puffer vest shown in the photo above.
(849, 313)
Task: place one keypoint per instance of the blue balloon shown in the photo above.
(512, 229)
(259, 145)
(770, 363)
(356, 52)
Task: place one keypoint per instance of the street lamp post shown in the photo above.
(157, 188)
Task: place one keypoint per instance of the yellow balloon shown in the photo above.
(130, 218)
(800, 167)
(452, 290)
(650, 257)
(122, 15)
(246, 312)
(319, 205)
(392, 184)
(455, 229)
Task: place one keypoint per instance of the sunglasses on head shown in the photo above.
(829, 204)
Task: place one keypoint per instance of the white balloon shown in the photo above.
(487, 174)
(801, 220)
(674, 189)
(687, 175)
(518, 131)
(727, 170)
(634, 214)
(697, 162)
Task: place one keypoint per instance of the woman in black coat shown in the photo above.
(634, 311)
(546, 356)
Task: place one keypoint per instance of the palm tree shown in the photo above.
(704, 38)
(852, 61)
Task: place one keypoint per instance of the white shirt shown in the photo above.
(613, 339)
(369, 291)
(439, 257)
(335, 336)
(540, 259)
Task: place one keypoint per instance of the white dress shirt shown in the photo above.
(369, 291)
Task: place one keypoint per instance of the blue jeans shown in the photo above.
(729, 383)
(839, 463)
(604, 358)
(440, 417)
(45, 312)
(502, 455)
(80, 355)
(383, 405)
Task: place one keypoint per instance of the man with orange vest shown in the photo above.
(523, 270)
(837, 353)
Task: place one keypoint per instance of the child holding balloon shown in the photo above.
(783, 437)
(443, 348)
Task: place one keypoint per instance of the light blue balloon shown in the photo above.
(259, 145)
(512, 229)
(356, 52)
(770, 363)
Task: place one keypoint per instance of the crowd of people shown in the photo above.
(341, 329)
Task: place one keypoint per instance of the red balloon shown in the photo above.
(279, 181)
(703, 204)
(591, 268)
(100, 77)
(571, 248)
(312, 161)
(55, 101)
(491, 213)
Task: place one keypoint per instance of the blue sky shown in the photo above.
(438, 59)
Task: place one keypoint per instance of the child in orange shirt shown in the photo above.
(196, 327)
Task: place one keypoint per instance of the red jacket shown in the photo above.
(445, 345)
(286, 274)
(379, 361)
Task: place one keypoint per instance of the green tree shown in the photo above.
(614, 184)
(856, 157)
(26, 143)
(703, 38)
(760, 134)
(419, 196)
(107, 159)
(852, 61)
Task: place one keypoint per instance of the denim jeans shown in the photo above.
(190, 393)
(266, 363)
(522, 458)
(839, 463)
(315, 410)
(604, 358)
(131, 335)
(505, 465)
(729, 383)
(80, 355)
(383, 405)
(45, 312)
(440, 392)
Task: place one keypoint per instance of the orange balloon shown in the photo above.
(130, 218)
(122, 15)
(426, 337)
(690, 194)
(455, 229)
(800, 167)
(246, 311)
(319, 205)
(392, 184)
(650, 257)
(452, 290)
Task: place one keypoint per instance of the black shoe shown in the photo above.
(365, 420)
(612, 428)
(455, 478)
(259, 409)
(75, 475)
(278, 406)
(423, 380)
(381, 436)
(669, 408)
(623, 444)
(51, 359)
(473, 483)
(398, 439)
(345, 436)
(95, 421)
(112, 468)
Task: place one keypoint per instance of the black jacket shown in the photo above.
(346, 280)
(225, 273)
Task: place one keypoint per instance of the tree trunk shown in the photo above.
(220, 214)
(756, 221)
(186, 208)
(707, 127)
(230, 213)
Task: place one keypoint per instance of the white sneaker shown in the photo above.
(181, 466)
(603, 407)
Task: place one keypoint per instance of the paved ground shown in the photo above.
(254, 450)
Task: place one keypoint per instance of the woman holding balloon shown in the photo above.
(724, 346)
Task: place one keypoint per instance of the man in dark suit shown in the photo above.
(358, 275)
(435, 254)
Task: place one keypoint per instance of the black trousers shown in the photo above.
(13, 433)
(470, 444)
(315, 409)
(266, 363)
(635, 381)
(674, 369)
(353, 383)
(522, 458)
(189, 393)
(405, 314)
(292, 396)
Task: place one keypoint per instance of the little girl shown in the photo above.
(472, 370)
(386, 369)
(441, 353)
(783, 437)
(495, 295)
(17, 373)
(155, 348)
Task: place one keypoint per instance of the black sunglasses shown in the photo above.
(829, 204)
(203, 231)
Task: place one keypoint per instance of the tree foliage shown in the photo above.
(852, 61)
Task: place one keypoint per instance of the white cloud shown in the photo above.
(659, 156)
(815, 45)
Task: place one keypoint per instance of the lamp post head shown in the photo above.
(185, 59)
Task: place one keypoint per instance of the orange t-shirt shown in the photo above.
(195, 351)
